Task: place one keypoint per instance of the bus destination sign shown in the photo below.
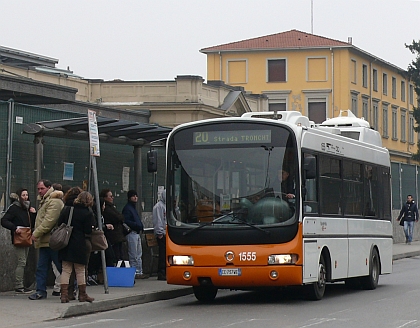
(231, 137)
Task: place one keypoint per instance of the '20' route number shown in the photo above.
(247, 256)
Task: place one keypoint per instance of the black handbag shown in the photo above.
(60, 236)
(126, 229)
(402, 222)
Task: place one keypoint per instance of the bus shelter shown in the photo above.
(113, 131)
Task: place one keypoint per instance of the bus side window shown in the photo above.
(330, 185)
(370, 191)
(310, 200)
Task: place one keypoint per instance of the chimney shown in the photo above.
(350, 40)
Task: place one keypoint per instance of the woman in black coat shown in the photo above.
(19, 214)
(74, 254)
(116, 236)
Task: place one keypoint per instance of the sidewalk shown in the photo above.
(18, 310)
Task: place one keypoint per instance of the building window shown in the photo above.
(279, 100)
(375, 80)
(353, 71)
(402, 90)
(385, 120)
(354, 104)
(317, 111)
(316, 69)
(385, 84)
(411, 128)
(276, 70)
(365, 75)
(375, 124)
(237, 71)
(394, 87)
(411, 94)
(365, 108)
(403, 124)
(277, 107)
(394, 123)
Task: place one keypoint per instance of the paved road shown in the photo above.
(17, 310)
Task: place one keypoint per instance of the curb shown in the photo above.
(120, 302)
(405, 255)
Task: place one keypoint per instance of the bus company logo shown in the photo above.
(330, 148)
(229, 256)
(323, 225)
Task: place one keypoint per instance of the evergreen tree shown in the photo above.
(414, 75)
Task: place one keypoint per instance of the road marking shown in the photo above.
(163, 323)
(407, 323)
(92, 322)
(319, 322)
(239, 322)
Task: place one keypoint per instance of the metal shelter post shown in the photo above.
(39, 159)
(138, 178)
(99, 218)
(9, 152)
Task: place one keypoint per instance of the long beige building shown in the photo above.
(170, 103)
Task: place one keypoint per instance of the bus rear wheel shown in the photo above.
(315, 291)
(371, 281)
(205, 294)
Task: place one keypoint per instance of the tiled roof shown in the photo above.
(284, 40)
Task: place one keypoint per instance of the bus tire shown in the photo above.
(316, 290)
(205, 294)
(370, 281)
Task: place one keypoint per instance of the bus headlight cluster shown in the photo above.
(181, 260)
(282, 259)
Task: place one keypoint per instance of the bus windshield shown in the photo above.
(233, 174)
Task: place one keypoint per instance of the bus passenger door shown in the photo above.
(310, 260)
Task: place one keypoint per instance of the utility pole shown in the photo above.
(312, 16)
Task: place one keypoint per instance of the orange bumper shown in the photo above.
(250, 276)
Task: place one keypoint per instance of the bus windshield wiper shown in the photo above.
(205, 224)
(208, 223)
(240, 221)
(234, 220)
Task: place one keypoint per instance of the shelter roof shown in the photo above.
(110, 130)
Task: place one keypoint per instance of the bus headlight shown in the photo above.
(181, 260)
(282, 259)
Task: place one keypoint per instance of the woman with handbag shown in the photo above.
(74, 254)
(20, 219)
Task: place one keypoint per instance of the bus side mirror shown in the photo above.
(309, 165)
(152, 161)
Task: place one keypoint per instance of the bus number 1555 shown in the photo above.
(247, 256)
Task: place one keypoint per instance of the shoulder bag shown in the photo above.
(98, 240)
(60, 236)
(126, 229)
(24, 239)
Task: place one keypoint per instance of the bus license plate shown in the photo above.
(230, 272)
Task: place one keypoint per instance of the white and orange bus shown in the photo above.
(231, 225)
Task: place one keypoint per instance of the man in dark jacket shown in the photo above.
(132, 219)
(409, 213)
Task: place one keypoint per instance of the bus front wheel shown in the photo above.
(371, 281)
(205, 294)
(316, 290)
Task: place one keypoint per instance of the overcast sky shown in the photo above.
(159, 39)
